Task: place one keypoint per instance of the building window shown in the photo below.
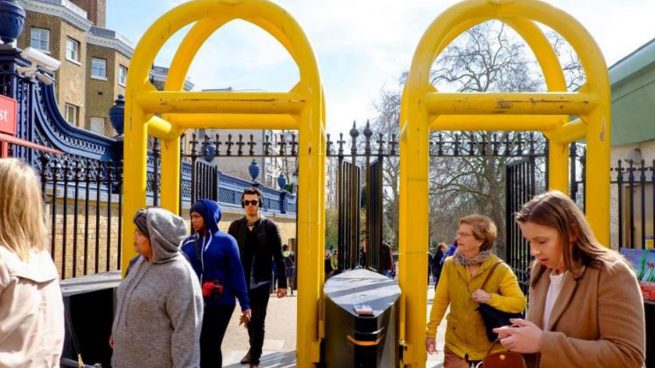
(72, 50)
(98, 68)
(40, 39)
(97, 125)
(122, 75)
(72, 113)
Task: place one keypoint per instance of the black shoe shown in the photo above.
(245, 359)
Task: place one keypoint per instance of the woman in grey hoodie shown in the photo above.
(159, 303)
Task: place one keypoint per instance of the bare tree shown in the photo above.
(489, 57)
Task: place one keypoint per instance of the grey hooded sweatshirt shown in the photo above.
(159, 303)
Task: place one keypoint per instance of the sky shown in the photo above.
(362, 46)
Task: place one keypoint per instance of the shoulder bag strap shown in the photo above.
(489, 274)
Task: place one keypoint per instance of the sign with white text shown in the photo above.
(7, 115)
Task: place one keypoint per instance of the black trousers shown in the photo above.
(258, 304)
(214, 324)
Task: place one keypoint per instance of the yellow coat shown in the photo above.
(465, 334)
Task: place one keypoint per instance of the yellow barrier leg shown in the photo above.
(597, 190)
(170, 175)
(134, 181)
(558, 174)
(414, 234)
(309, 241)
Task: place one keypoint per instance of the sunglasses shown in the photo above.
(249, 203)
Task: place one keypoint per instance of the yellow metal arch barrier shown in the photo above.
(424, 109)
(167, 114)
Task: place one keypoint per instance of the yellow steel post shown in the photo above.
(414, 243)
(170, 174)
(598, 173)
(134, 177)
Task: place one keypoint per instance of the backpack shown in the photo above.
(289, 259)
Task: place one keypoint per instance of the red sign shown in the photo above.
(7, 115)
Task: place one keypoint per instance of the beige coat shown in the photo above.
(597, 320)
(31, 312)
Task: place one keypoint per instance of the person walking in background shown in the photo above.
(386, 260)
(214, 256)
(459, 287)
(430, 260)
(260, 247)
(451, 250)
(31, 306)
(327, 265)
(437, 264)
(586, 308)
(334, 264)
(159, 303)
(363, 254)
(290, 265)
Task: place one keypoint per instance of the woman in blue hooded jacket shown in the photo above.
(214, 256)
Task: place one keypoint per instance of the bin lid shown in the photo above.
(362, 288)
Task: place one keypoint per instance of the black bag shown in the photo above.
(493, 317)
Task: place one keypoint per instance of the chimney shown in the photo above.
(96, 11)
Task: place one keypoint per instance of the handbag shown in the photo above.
(502, 359)
(493, 317)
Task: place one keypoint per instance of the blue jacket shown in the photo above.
(219, 258)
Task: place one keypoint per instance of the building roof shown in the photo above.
(111, 39)
(633, 96)
(63, 9)
(159, 74)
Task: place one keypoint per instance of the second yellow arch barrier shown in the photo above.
(423, 109)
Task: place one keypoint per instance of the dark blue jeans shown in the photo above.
(258, 304)
(214, 324)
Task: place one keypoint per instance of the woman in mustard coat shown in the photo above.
(460, 285)
(586, 309)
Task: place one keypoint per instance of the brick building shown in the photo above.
(94, 60)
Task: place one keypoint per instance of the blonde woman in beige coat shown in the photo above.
(31, 307)
(586, 309)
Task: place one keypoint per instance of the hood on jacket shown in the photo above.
(210, 212)
(166, 232)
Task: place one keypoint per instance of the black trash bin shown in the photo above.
(361, 315)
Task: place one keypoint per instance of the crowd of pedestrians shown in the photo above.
(585, 307)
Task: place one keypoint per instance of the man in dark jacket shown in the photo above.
(261, 247)
(215, 259)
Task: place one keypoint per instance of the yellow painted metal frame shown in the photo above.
(424, 109)
(167, 114)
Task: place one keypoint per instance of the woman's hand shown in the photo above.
(481, 296)
(522, 337)
(431, 345)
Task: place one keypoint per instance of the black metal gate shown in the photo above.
(374, 214)
(521, 186)
(204, 181)
(349, 221)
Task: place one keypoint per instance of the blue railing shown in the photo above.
(83, 186)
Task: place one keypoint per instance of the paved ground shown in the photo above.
(280, 343)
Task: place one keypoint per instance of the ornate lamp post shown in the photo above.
(12, 19)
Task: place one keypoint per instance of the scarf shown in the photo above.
(479, 259)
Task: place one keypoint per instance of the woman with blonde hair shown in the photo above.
(471, 269)
(31, 306)
(586, 309)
